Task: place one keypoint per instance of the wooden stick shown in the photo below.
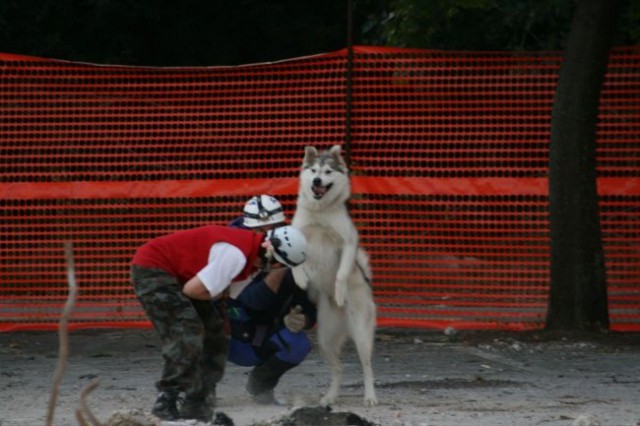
(84, 407)
(63, 330)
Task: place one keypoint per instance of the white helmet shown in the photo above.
(262, 210)
(289, 245)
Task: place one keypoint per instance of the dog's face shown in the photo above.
(325, 176)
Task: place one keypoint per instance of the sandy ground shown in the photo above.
(423, 378)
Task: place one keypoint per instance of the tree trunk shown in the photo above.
(578, 292)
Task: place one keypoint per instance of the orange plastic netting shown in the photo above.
(448, 150)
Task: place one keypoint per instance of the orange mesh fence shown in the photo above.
(448, 152)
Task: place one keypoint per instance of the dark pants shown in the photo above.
(194, 345)
(284, 345)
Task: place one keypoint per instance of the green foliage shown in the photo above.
(630, 23)
(219, 32)
(506, 25)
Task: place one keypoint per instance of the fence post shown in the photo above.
(349, 88)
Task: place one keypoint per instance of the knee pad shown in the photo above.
(242, 353)
(293, 348)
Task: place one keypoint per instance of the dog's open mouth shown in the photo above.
(319, 190)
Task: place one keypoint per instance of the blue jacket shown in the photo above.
(258, 307)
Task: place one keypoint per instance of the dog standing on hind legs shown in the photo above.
(336, 274)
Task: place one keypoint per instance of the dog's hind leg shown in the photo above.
(331, 338)
(362, 325)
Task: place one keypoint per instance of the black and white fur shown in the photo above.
(336, 274)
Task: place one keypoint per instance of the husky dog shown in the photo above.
(336, 274)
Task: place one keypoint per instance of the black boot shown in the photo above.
(165, 407)
(264, 378)
(197, 408)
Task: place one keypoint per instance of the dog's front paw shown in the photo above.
(300, 277)
(302, 284)
(341, 292)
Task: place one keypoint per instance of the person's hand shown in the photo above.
(295, 320)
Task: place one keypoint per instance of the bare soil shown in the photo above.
(423, 378)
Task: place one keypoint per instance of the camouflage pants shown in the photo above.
(194, 345)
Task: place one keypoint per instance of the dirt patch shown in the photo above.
(423, 378)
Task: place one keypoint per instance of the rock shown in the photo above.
(586, 420)
(318, 416)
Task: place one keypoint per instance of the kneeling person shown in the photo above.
(268, 313)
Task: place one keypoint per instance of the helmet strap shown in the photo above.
(265, 259)
(262, 212)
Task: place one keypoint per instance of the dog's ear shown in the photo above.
(336, 153)
(310, 155)
(335, 150)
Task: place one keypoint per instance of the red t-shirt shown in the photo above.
(184, 253)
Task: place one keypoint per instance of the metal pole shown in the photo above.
(347, 141)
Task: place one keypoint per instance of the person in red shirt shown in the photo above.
(175, 277)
